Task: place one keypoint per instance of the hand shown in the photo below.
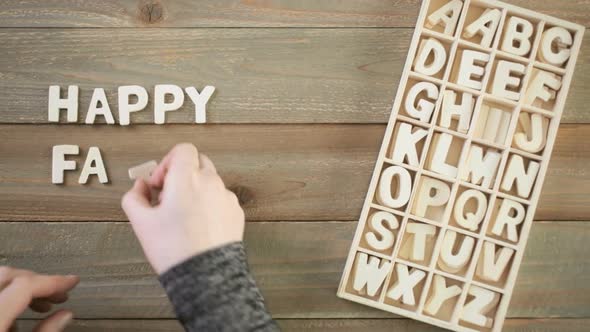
(20, 289)
(195, 212)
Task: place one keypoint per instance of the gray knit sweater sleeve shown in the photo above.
(214, 291)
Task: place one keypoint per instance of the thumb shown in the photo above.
(54, 323)
(136, 201)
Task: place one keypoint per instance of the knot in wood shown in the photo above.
(151, 11)
(244, 194)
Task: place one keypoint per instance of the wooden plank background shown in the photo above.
(304, 89)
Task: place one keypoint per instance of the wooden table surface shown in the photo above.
(304, 89)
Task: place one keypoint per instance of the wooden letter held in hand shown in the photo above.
(143, 171)
(451, 202)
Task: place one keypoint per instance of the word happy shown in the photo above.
(131, 99)
(453, 195)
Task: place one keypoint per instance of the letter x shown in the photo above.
(405, 284)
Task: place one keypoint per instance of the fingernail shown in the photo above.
(67, 318)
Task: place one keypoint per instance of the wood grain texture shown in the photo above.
(235, 13)
(261, 75)
(280, 172)
(297, 265)
(321, 325)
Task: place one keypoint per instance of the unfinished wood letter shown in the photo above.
(517, 38)
(480, 170)
(125, 107)
(99, 97)
(438, 162)
(368, 273)
(440, 294)
(467, 219)
(383, 223)
(93, 166)
(461, 112)
(406, 282)
(453, 263)
(494, 124)
(406, 144)
(439, 57)
(403, 190)
(534, 134)
(432, 192)
(160, 104)
(447, 16)
(510, 215)
(483, 302)
(505, 85)
(423, 109)
(485, 25)
(143, 171)
(543, 85)
(556, 38)
(420, 233)
(200, 100)
(493, 264)
(472, 69)
(517, 175)
(55, 103)
(59, 164)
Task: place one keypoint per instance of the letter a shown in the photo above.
(447, 16)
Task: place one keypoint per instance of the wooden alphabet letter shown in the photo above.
(493, 264)
(377, 223)
(517, 39)
(480, 170)
(510, 215)
(98, 96)
(447, 16)
(93, 158)
(493, 124)
(462, 112)
(200, 100)
(55, 103)
(484, 300)
(503, 79)
(516, 174)
(438, 161)
(485, 25)
(555, 38)
(406, 144)
(160, 104)
(472, 69)
(404, 287)
(423, 109)
(450, 262)
(420, 234)
(534, 134)
(143, 171)
(440, 294)
(368, 273)
(470, 220)
(543, 85)
(59, 164)
(432, 192)
(125, 107)
(439, 57)
(403, 190)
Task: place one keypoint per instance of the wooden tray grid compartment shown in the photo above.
(383, 246)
